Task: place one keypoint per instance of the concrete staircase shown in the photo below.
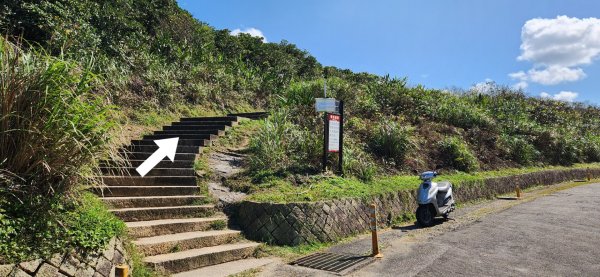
(175, 227)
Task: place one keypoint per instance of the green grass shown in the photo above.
(333, 187)
(218, 225)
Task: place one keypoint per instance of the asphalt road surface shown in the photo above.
(553, 235)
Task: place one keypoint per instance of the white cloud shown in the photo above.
(521, 85)
(484, 87)
(567, 96)
(565, 41)
(251, 31)
(557, 47)
(550, 75)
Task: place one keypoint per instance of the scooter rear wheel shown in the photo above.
(424, 216)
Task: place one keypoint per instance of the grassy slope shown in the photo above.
(328, 187)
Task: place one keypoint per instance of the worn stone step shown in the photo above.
(140, 229)
(209, 137)
(146, 155)
(111, 181)
(153, 201)
(181, 149)
(228, 268)
(181, 142)
(190, 132)
(196, 127)
(121, 191)
(205, 123)
(197, 258)
(154, 213)
(164, 244)
(211, 118)
(163, 164)
(253, 115)
(131, 171)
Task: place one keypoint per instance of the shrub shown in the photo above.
(518, 149)
(50, 123)
(392, 141)
(280, 145)
(45, 226)
(455, 153)
(591, 148)
(563, 149)
(358, 163)
(51, 127)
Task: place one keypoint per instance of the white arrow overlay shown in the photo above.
(166, 148)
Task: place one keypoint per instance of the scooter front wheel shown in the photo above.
(424, 216)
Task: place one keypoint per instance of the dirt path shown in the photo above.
(500, 237)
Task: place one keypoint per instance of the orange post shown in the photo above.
(122, 271)
(374, 238)
(589, 174)
(518, 190)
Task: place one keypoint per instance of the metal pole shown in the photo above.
(325, 140)
(341, 154)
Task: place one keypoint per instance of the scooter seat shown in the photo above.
(444, 186)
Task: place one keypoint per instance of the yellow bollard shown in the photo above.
(374, 239)
(122, 271)
(518, 190)
(589, 175)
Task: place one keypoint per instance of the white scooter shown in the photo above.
(434, 199)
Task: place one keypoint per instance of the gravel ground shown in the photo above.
(551, 232)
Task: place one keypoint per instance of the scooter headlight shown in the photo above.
(425, 185)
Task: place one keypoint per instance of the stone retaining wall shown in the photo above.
(326, 221)
(72, 265)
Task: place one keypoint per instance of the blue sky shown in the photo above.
(440, 44)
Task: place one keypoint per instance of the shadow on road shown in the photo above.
(416, 225)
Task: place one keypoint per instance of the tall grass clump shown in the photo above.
(455, 153)
(280, 145)
(50, 123)
(392, 141)
(519, 149)
(51, 127)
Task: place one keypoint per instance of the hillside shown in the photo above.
(154, 57)
(78, 78)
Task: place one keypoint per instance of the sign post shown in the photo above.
(333, 129)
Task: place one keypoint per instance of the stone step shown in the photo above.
(123, 191)
(131, 171)
(209, 137)
(140, 229)
(196, 127)
(197, 258)
(227, 269)
(146, 155)
(163, 164)
(163, 181)
(211, 118)
(152, 148)
(165, 244)
(190, 132)
(154, 213)
(253, 115)
(205, 123)
(153, 201)
(181, 142)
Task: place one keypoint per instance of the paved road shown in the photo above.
(554, 235)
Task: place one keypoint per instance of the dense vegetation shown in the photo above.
(148, 59)
(51, 129)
